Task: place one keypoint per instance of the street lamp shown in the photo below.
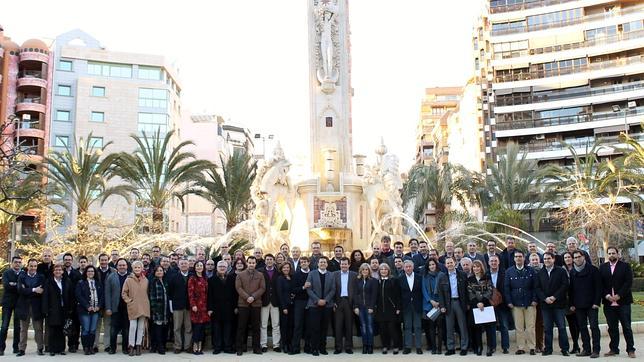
(629, 105)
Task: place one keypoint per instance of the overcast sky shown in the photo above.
(247, 59)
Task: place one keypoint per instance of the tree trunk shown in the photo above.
(5, 233)
(157, 221)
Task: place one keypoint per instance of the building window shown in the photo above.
(151, 73)
(110, 69)
(96, 142)
(150, 123)
(61, 141)
(329, 121)
(97, 117)
(63, 116)
(153, 98)
(65, 65)
(64, 90)
(98, 91)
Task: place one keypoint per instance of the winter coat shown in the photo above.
(479, 291)
(56, 303)
(198, 297)
(519, 286)
(285, 292)
(430, 290)
(27, 297)
(556, 285)
(82, 294)
(135, 295)
(585, 287)
(222, 297)
(250, 283)
(388, 300)
(159, 301)
(366, 293)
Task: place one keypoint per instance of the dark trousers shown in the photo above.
(412, 328)
(477, 341)
(74, 337)
(571, 318)
(434, 333)
(222, 335)
(159, 334)
(252, 315)
(538, 329)
(198, 332)
(120, 324)
(56, 339)
(586, 316)
(503, 318)
(343, 325)
(300, 320)
(614, 317)
(286, 328)
(390, 334)
(552, 317)
(7, 311)
(320, 317)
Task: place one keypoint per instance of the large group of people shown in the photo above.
(408, 299)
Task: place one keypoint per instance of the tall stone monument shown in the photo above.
(336, 210)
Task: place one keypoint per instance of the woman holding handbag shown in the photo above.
(479, 289)
(388, 310)
(431, 306)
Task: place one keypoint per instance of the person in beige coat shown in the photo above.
(135, 294)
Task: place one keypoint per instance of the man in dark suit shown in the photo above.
(299, 305)
(473, 253)
(585, 292)
(412, 301)
(344, 291)
(551, 288)
(617, 279)
(178, 299)
(73, 276)
(320, 305)
(29, 306)
(502, 312)
(334, 263)
(507, 255)
(452, 292)
(9, 303)
(44, 268)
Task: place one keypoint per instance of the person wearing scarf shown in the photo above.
(158, 294)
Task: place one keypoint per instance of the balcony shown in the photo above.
(502, 6)
(540, 74)
(566, 93)
(598, 41)
(31, 78)
(30, 104)
(515, 29)
(31, 128)
(566, 120)
(558, 148)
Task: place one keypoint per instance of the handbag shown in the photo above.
(497, 298)
(67, 327)
(433, 314)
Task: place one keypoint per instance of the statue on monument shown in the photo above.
(272, 187)
(381, 188)
(326, 20)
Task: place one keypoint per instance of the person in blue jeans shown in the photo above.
(90, 297)
(364, 305)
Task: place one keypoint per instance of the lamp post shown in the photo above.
(617, 108)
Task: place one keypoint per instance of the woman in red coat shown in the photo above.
(198, 298)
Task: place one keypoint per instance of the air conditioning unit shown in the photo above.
(540, 137)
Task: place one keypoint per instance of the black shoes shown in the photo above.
(337, 351)
(239, 353)
(594, 355)
(419, 351)
(532, 352)
(450, 352)
(324, 352)
(505, 351)
(406, 351)
(348, 351)
(519, 351)
(463, 352)
(583, 354)
(315, 353)
(264, 349)
(20, 353)
(565, 354)
(294, 352)
(40, 352)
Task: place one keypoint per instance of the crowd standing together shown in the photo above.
(153, 300)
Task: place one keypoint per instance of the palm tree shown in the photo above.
(156, 172)
(83, 175)
(589, 200)
(228, 189)
(438, 186)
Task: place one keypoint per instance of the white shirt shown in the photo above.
(344, 284)
(410, 280)
(494, 276)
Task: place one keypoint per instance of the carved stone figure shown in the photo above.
(327, 52)
(272, 187)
